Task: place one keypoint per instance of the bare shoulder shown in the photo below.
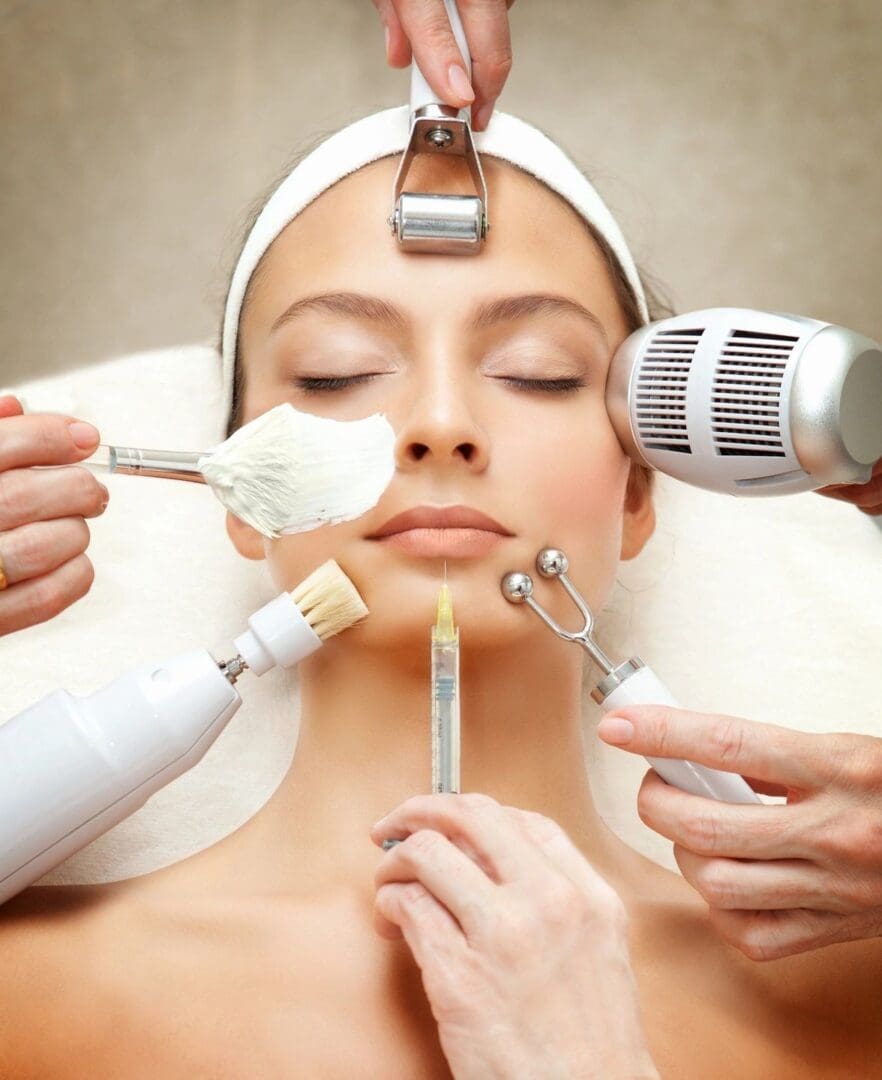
(50, 1003)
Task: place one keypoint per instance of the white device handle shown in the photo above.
(420, 92)
(71, 768)
(645, 688)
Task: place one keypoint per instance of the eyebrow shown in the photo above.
(506, 308)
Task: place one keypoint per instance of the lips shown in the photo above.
(440, 517)
(442, 532)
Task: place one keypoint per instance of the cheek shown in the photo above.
(572, 486)
(291, 559)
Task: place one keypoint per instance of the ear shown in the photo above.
(246, 540)
(639, 512)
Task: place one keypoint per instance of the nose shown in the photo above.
(438, 425)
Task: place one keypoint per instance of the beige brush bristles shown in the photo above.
(329, 601)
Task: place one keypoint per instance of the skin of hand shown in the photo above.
(522, 945)
(43, 533)
(779, 878)
(421, 28)
(866, 497)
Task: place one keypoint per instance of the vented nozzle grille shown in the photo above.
(661, 390)
(746, 394)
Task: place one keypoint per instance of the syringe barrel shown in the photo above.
(71, 768)
(445, 717)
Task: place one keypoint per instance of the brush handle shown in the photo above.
(167, 464)
(421, 93)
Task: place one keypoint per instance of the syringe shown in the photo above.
(445, 696)
(445, 699)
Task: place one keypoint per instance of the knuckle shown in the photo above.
(12, 497)
(412, 892)
(28, 548)
(423, 841)
(865, 758)
(50, 437)
(756, 946)
(516, 928)
(541, 828)
(85, 488)
(610, 908)
(860, 838)
(727, 739)
(47, 598)
(715, 885)
(435, 31)
(476, 800)
(701, 833)
(499, 62)
(857, 891)
(560, 901)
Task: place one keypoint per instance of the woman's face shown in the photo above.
(490, 368)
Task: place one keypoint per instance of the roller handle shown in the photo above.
(644, 687)
(420, 92)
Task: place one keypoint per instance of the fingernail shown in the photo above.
(459, 82)
(84, 435)
(615, 729)
(388, 35)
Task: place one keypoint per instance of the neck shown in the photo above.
(364, 747)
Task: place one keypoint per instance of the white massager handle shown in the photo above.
(420, 92)
(643, 687)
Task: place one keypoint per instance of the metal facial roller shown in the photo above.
(432, 223)
(628, 683)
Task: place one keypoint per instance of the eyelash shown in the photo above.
(316, 385)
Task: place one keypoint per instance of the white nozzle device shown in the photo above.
(71, 768)
(278, 636)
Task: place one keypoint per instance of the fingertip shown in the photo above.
(615, 730)
(459, 84)
(85, 436)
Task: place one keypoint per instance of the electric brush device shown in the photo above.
(71, 768)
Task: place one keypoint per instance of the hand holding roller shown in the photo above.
(435, 223)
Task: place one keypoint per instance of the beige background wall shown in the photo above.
(739, 140)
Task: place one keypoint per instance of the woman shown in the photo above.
(266, 954)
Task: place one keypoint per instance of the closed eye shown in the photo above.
(555, 386)
(315, 385)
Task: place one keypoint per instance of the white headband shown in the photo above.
(381, 135)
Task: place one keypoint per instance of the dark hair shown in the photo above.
(641, 479)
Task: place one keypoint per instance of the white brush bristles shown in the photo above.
(329, 601)
(288, 471)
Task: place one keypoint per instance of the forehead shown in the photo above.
(342, 242)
